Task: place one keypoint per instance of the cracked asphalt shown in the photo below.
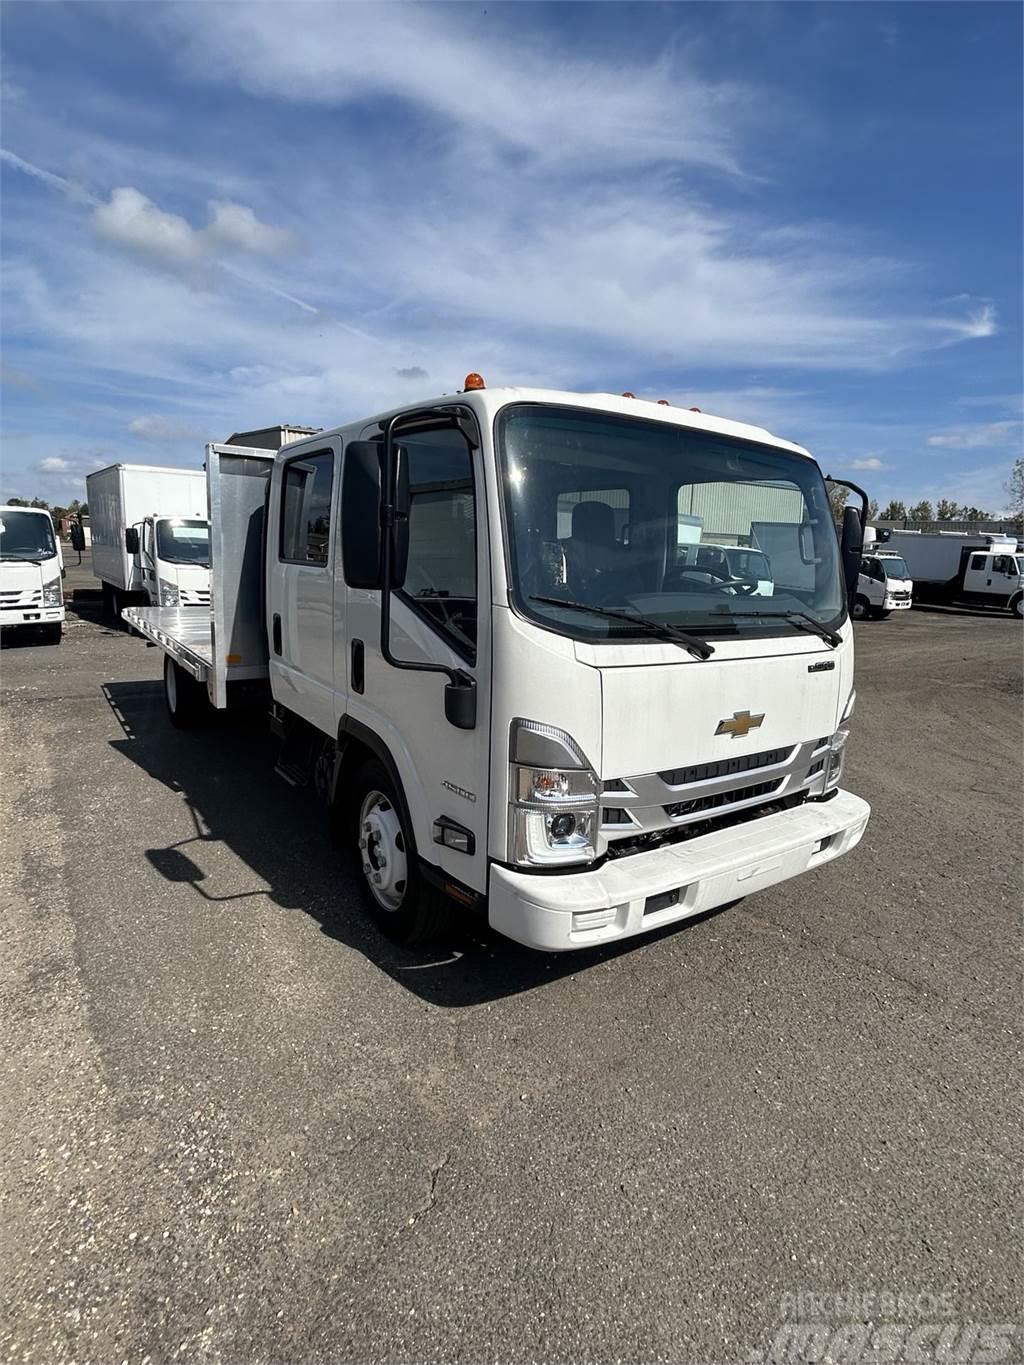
(239, 1125)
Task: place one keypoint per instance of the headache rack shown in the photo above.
(226, 641)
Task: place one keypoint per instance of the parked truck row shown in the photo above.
(521, 686)
(979, 570)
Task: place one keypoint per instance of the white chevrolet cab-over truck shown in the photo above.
(487, 642)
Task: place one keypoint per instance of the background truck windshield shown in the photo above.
(895, 568)
(647, 518)
(183, 542)
(26, 535)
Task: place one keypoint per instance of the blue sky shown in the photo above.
(221, 216)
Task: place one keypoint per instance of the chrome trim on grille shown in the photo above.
(647, 801)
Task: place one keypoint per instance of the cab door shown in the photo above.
(300, 572)
(978, 576)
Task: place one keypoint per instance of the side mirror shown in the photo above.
(460, 702)
(361, 485)
(131, 540)
(852, 545)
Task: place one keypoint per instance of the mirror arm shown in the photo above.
(460, 692)
(854, 488)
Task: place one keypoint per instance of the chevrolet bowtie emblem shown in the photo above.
(740, 723)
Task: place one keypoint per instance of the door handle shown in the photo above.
(358, 667)
(277, 633)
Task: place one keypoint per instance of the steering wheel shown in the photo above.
(745, 587)
(702, 578)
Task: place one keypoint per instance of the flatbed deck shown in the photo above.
(185, 633)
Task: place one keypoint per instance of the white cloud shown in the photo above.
(976, 437)
(131, 220)
(158, 427)
(54, 464)
(871, 462)
(236, 226)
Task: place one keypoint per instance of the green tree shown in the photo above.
(921, 511)
(837, 496)
(975, 514)
(18, 502)
(873, 509)
(947, 511)
(896, 511)
(1015, 491)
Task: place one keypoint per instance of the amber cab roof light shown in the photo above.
(473, 381)
(627, 394)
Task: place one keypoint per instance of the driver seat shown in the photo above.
(594, 559)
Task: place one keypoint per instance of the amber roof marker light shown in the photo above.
(473, 381)
(627, 394)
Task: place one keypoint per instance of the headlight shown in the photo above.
(837, 744)
(553, 810)
(53, 595)
(169, 595)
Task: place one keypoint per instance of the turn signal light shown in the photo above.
(474, 381)
(627, 394)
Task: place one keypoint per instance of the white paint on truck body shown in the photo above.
(31, 568)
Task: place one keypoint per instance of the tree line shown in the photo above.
(73, 509)
(944, 510)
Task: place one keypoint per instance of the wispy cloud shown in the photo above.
(869, 462)
(159, 427)
(978, 436)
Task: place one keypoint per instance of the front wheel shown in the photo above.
(1017, 607)
(53, 634)
(188, 706)
(879, 613)
(861, 607)
(405, 907)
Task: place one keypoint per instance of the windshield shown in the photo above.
(183, 542)
(26, 535)
(687, 528)
(895, 568)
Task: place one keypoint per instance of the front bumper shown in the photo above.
(30, 616)
(552, 912)
(894, 604)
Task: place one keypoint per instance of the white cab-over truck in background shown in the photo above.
(150, 535)
(31, 569)
(980, 570)
(485, 646)
(884, 584)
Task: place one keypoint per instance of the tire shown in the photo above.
(861, 608)
(188, 706)
(879, 613)
(1017, 607)
(402, 905)
(53, 634)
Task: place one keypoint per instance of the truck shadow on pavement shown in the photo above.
(225, 774)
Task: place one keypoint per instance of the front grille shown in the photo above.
(20, 597)
(704, 803)
(724, 767)
(615, 815)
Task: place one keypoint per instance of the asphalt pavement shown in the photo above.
(240, 1125)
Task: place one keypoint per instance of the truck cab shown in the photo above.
(31, 569)
(171, 560)
(883, 586)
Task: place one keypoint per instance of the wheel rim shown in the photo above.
(859, 611)
(1018, 606)
(171, 685)
(382, 851)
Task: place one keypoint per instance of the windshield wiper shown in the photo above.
(20, 559)
(699, 648)
(797, 618)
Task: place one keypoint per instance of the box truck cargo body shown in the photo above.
(31, 569)
(150, 535)
(952, 566)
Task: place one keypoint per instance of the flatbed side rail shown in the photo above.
(143, 619)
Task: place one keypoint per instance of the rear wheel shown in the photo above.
(861, 607)
(187, 703)
(1017, 607)
(401, 903)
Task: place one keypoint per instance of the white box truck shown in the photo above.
(31, 569)
(981, 570)
(150, 535)
(484, 645)
(884, 584)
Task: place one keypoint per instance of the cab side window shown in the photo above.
(978, 562)
(306, 487)
(440, 582)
